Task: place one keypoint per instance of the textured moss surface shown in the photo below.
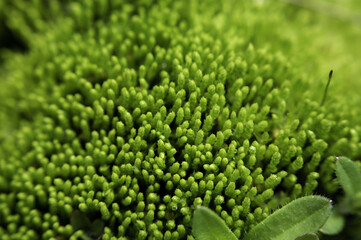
(137, 112)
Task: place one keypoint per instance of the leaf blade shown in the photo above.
(301, 216)
(334, 224)
(308, 236)
(96, 228)
(207, 225)
(349, 175)
(79, 221)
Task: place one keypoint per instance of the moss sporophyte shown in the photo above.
(119, 119)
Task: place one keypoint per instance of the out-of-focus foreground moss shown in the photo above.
(136, 112)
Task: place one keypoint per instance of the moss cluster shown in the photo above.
(137, 112)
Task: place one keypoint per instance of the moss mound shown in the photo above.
(137, 112)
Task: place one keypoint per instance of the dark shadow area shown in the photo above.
(10, 40)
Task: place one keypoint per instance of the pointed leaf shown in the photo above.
(334, 224)
(79, 221)
(96, 229)
(308, 236)
(207, 225)
(349, 176)
(299, 217)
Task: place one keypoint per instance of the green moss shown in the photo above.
(136, 113)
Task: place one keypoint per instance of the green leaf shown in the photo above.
(97, 228)
(91, 231)
(300, 216)
(349, 176)
(334, 224)
(356, 203)
(308, 236)
(207, 225)
(79, 221)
